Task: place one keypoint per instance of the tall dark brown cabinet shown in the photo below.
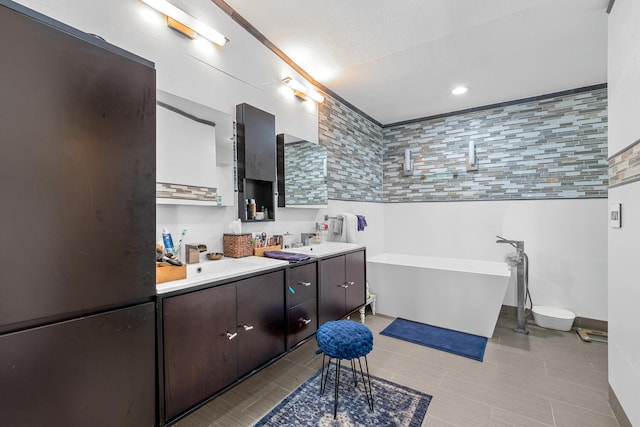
(77, 284)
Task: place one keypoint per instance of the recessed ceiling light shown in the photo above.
(459, 90)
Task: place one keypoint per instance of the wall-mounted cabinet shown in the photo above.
(256, 147)
(194, 159)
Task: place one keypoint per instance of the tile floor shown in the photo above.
(548, 378)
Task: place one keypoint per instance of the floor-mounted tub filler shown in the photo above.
(458, 294)
(520, 261)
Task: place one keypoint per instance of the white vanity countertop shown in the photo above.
(321, 250)
(225, 268)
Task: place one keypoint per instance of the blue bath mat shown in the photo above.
(460, 343)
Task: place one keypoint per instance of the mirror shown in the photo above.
(194, 153)
(302, 173)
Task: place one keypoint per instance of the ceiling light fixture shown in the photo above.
(301, 91)
(186, 24)
(459, 90)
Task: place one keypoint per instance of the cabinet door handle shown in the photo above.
(247, 327)
(304, 283)
(343, 285)
(351, 283)
(230, 335)
(305, 321)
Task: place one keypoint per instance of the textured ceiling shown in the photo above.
(399, 60)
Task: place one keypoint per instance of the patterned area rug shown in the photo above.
(394, 405)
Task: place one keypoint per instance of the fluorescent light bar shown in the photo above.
(187, 20)
(301, 90)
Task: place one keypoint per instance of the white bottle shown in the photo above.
(167, 241)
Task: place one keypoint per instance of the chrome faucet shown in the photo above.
(518, 244)
(306, 238)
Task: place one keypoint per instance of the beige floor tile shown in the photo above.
(457, 410)
(431, 421)
(504, 418)
(598, 380)
(503, 396)
(571, 416)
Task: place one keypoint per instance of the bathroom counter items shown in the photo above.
(229, 268)
(225, 268)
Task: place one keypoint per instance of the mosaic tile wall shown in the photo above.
(545, 149)
(624, 167)
(304, 178)
(354, 146)
(165, 190)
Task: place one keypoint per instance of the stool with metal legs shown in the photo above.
(345, 340)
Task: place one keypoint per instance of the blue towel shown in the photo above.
(362, 223)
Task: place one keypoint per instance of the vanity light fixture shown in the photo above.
(459, 90)
(472, 161)
(301, 91)
(407, 166)
(184, 23)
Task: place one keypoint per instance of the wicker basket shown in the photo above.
(237, 245)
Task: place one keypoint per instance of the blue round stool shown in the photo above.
(349, 340)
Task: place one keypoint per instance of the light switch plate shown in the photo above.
(615, 215)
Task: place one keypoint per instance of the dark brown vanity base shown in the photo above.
(211, 337)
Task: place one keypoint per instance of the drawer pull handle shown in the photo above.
(305, 321)
(230, 335)
(247, 327)
(304, 283)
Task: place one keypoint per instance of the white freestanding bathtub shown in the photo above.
(459, 294)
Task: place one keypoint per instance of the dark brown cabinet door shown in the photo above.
(93, 371)
(200, 346)
(355, 281)
(331, 292)
(78, 150)
(342, 286)
(257, 137)
(261, 320)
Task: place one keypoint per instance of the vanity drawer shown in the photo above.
(301, 283)
(303, 322)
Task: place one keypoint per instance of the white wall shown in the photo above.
(242, 71)
(565, 240)
(624, 243)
